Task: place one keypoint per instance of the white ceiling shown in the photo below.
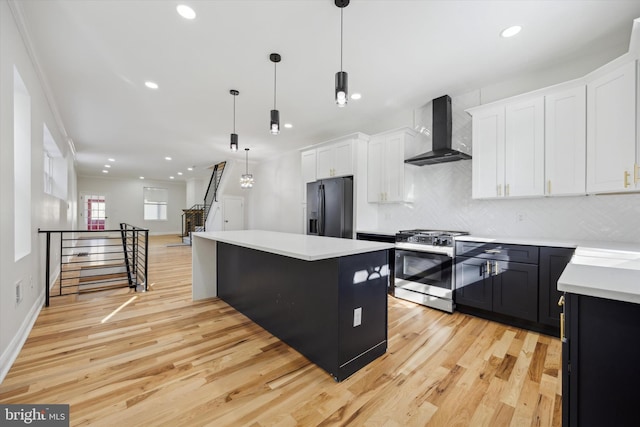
(96, 56)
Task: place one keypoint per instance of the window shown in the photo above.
(155, 203)
(21, 167)
(55, 166)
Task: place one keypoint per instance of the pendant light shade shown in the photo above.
(246, 180)
(342, 78)
(234, 136)
(275, 114)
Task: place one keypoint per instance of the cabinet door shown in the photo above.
(343, 158)
(524, 148)
(488, 153)
(324, 165)
(394, 168)
(515, 289)
(375, 170)
(552, 263)
(611, 131)
(308, 166)
(566, 142)
(473, 286)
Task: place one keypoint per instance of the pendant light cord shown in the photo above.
(234, 113)
(341, 10)
(275, 82)
(246, 170)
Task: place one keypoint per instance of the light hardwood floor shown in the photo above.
(158, 358)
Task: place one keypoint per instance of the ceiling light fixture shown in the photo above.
(185, 11)
(234, 135)
(151, 85)
(107, 166)
(342, 78)
(356, 96)
(275, 114)
(172, 177)
(111, 160)
(105, 171)
(246, 180)
(511, 31)
(288, 125)
(167, 158)
(142, 177)
(179, 173)
(190, 169)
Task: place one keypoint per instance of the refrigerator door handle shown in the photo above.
(321, 210)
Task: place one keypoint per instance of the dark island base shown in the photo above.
(310, 304)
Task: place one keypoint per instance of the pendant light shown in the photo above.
(246, 180)
(275, 114)
(342, 78)
(234, 135)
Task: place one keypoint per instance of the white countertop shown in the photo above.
(301, 246)
(608, 270)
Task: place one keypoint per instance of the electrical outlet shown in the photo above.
(18, 291)
(357, 316)
(31, 282)
(521, 216)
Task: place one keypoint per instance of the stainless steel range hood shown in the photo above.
(441, 134)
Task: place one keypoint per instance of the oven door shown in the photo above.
(424, 272)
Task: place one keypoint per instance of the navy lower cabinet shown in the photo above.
(497, 281)
(600, 354)
(512, 284)
(552, 263)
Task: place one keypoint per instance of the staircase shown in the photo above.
(195, 218)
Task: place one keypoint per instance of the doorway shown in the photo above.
(232, 213)
(93, 211)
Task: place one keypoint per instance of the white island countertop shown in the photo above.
(301, 246)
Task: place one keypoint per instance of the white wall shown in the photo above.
(125, 202)
(47, 212)
(274, 202)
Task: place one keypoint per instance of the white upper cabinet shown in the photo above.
(611, 131)
(508, 149)
(389, 180)
(335, 160)
(524, 148)
(488, 153)
(565, 142)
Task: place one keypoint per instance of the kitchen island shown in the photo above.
(325, 297)
(600, 347)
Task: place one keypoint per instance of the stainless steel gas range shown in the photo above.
(424, 271)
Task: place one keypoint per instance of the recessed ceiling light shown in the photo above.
(107, 166)
(511, 31)
(111, 160)
(189, 169)
(179, 173)
(185, 11)
(105, 171)
(167, 158)
(356, 96)
(288, 125)
(151, 85)
(172, 177)
(142, 177)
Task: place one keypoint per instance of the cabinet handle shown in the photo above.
(626, 179)
(499, 189)
(489, 268)
(636, 173)
(562, 334)
(481, 270)
(506, 190)
(496, 268)
(492, 251)
(549, 187)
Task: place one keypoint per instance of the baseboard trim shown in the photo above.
(9, 356)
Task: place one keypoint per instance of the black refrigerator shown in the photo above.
(330, 207)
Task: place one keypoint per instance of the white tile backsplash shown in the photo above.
(443, 201)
